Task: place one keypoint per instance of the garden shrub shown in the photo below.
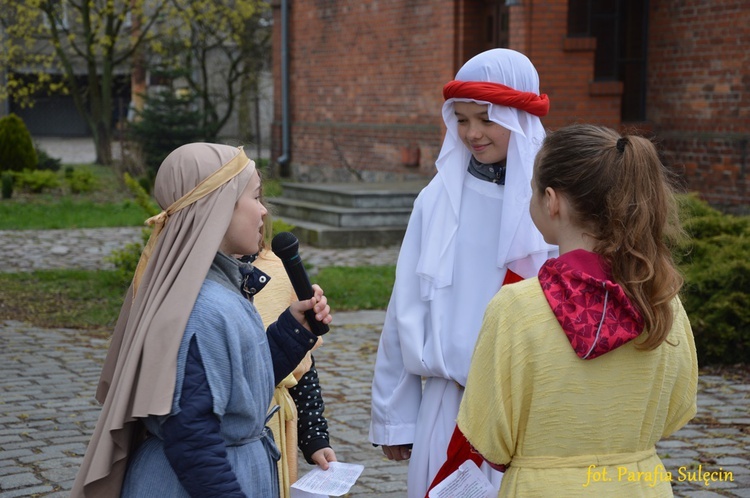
(80, 181)
(37, 181)
(126, 259)
(716, 295)
(142, 198)
(281, 226)
(17, 151)
(7, 180)
(145, 184)
(45, 161)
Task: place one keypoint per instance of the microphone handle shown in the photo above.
(302, 287)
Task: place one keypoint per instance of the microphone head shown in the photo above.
(285, 245)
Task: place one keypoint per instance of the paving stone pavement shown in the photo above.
(48, 379)
(89, 248)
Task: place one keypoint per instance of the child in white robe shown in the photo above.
(469, 232)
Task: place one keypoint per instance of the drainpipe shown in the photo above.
(284, 159)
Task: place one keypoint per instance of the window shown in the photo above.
(620, 28)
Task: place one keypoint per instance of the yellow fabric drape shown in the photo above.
(556, 419)
(581, 461)
(283, 425)
(271, 302)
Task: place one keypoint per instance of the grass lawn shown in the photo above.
(91, 299)
(76, 299)
(44, 214)
(358, 288)
(109, 204)
(83, 299)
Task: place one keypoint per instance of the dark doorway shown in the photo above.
(484, 26)
(621, 29)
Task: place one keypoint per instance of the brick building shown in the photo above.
(363, 96)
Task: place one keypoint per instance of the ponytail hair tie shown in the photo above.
(621, 143)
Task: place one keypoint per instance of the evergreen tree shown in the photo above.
(169, 119)
(16, 146)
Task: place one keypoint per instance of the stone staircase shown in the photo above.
(347, 214)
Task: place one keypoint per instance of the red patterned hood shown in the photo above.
(594, 312)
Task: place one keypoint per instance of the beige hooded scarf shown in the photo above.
(197, 186)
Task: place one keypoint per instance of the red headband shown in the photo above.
(538, 105)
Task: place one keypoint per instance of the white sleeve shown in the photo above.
(396, 393)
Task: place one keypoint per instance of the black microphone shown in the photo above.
(286, 246)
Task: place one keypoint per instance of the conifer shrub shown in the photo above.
(45, 161)
(17, 150)
(168, 120)
(716, 295)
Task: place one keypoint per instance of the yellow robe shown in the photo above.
(570, 427)
(275, 297)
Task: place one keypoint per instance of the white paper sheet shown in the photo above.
(466, 482)
(298, 493)
(336, 481)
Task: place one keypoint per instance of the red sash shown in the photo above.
(538, 105)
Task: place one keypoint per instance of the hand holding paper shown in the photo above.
(336, 481)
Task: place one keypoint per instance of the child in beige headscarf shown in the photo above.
(189, 375)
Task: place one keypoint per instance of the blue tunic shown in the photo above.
(235, 353)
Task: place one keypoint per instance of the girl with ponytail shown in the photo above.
(597, 362)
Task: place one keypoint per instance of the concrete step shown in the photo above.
(347, 214)
(340, 216)
(357, 195)
(326, 236)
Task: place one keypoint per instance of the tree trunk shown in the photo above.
(103, 144)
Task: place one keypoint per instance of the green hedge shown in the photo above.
(716, 295)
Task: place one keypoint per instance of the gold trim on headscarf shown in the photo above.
(211, 183)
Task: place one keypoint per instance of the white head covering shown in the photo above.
(519, 237)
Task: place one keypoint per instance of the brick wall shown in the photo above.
(565, 65)
(699, 94)
(366, 81)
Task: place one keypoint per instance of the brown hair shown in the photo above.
(621, 193)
